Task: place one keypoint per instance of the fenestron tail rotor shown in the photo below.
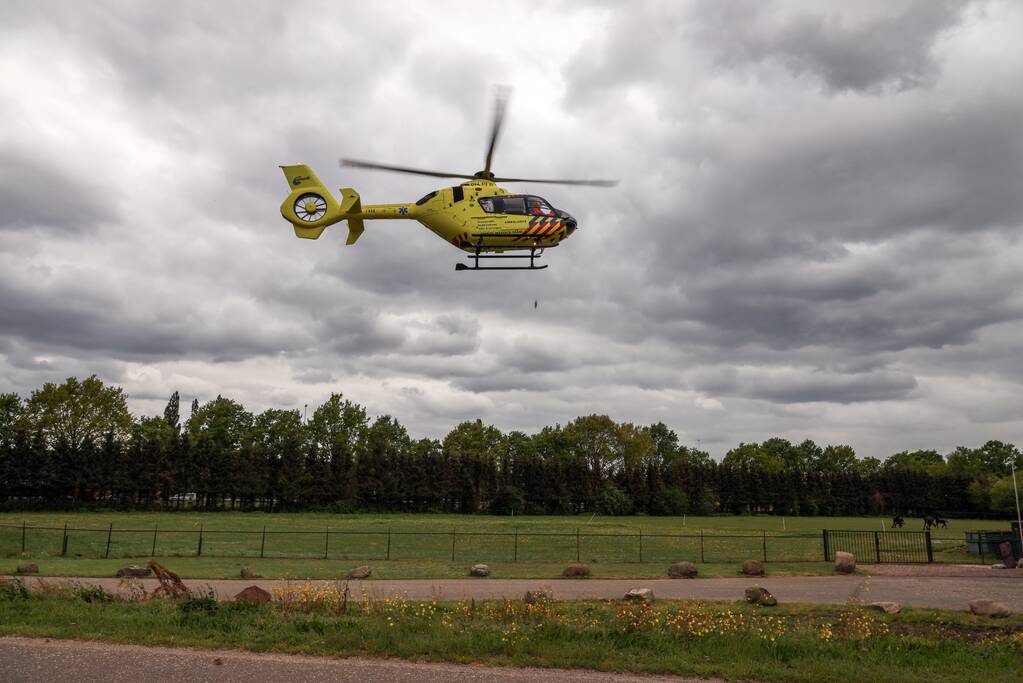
(500, 105)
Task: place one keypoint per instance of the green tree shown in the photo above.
(74, 412)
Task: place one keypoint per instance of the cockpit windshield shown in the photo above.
(519, 205)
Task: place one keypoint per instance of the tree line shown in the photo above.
(76, 444)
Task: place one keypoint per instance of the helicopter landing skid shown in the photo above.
(534, 253)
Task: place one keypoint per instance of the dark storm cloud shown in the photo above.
(864, 46)
(38, 193)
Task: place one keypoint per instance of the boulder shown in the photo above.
(998, 565)
(362, 572)
(845, 563)
(683, 570)
(28, 568)
(532, 597)
(1019, 563)
(644, 595)
(753, 568)
(248, 572)
(576, 570)
(760, 596)
(479, 570)
(134, 571)
(886, 607)
(989, 608)
(254, 595)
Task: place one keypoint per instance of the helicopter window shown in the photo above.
(490, 204)
(515, 205)
(539, 207)
(457, 193)
(426, 198)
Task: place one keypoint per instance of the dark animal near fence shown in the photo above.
(898, 522)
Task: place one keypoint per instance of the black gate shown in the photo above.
(880, 547)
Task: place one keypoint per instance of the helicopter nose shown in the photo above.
(570, 226)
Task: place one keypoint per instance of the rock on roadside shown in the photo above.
(886, 607)
(28, 568)
(576, 570)
(683, 570)
(134, 571)
(248, 572)
(362, 572)
(760, 596)
(479, 570)
(989, 608)
(533, 597)
(753, 568)
(254, 595)
(644, 595)
(845, 563)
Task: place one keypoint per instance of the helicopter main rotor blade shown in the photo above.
(591, 183)
(500, 104)
(354, 163)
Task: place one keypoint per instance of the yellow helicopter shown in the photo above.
(476, 216)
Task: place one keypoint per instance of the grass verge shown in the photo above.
(731, 640)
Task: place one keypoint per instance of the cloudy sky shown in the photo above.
(817, 231)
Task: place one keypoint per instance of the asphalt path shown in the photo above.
(912, 591)
(31, 660)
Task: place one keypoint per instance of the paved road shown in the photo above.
(939, 592)
(28, 660)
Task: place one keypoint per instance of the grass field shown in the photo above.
(309, 545)
(734, 640)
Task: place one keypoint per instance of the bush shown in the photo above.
(613, 501)
(669, 502)
(13, 589)
(91, 594)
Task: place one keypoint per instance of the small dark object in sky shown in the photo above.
(535, 303)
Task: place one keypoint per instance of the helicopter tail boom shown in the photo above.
(311, 208)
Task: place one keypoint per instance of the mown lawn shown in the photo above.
(426, 545)
(732, 640)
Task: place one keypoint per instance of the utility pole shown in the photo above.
(1019, 518)
(305, 413)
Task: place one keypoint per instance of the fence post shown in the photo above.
(701, 545)
(577, 544)
(23, 525)
(452, 545)
(388, 543)
(110, 532)
(641, 546)
(199, 551)
(153, 549)
(326, 542)
(262, 543)
(930, 550)
(980, 544)
(63, 546)
(877, 547)
(765, 545)
(827, 550)
(515, 551)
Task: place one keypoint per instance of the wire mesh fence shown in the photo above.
(24, 540)
(452, 545)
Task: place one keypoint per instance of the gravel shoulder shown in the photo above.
(940, 592)
(32, 660)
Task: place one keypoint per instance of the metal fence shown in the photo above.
(880, 547)
(441, 545)
(24, 540)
